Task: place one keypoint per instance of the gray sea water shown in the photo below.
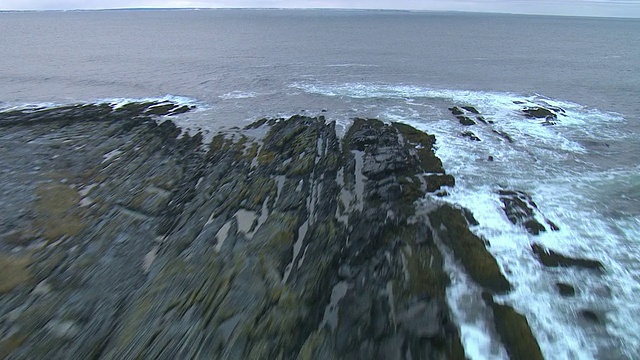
(241, 65)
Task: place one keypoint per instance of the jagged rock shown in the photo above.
(521, 209)
(553, 259)
(158, 248)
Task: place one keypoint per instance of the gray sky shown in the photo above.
(619, 8)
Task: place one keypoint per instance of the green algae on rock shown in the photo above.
(453, 228)
(514, 331)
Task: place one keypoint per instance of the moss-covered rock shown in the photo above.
(14, 271)
(250, 248)
(514, 331)
(470, 250)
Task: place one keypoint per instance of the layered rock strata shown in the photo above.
(122, 237)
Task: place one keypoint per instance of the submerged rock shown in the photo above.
(456, 110)
(566, 289)
(471, 109)
(591, 316)
(504, 135)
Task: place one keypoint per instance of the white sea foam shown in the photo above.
(596, 210)
(237, 94)
(115, 102)
(176, 99)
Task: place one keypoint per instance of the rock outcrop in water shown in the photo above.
(122, 238)
(522, 210)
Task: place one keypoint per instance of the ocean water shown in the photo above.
(241, 65)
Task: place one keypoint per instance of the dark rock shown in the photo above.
(534, 227)
(520, 209)
(481, 119)
(590, 316)
(465, 120)
(471, 109)
(549, 120)
(471, 136)
(566, 289)
(552, 225)
(421, 318)
(166, 249)
(451, 226)
(551, 258)
(504, 135)
(468, 215)
(456, 110)
(538, 112)
(490, 158)
(514, 330)
(424, 146)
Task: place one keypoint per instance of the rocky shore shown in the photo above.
(123, 237)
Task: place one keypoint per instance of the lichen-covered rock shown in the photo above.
(130, 240)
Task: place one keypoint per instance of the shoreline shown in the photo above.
(132, 233)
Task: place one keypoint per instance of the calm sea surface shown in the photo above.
(240, 65)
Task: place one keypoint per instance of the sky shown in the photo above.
(607, 8)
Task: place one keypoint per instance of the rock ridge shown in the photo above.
(125, 238)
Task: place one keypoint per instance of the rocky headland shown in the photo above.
(124, 237)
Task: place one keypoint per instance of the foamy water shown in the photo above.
(551, 164)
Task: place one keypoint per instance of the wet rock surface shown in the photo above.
(522, 210)
(542, 110)
(554, 259)
(514, 331)
(122, 237)
(471, 136)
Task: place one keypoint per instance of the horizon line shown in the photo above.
(313, 9)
